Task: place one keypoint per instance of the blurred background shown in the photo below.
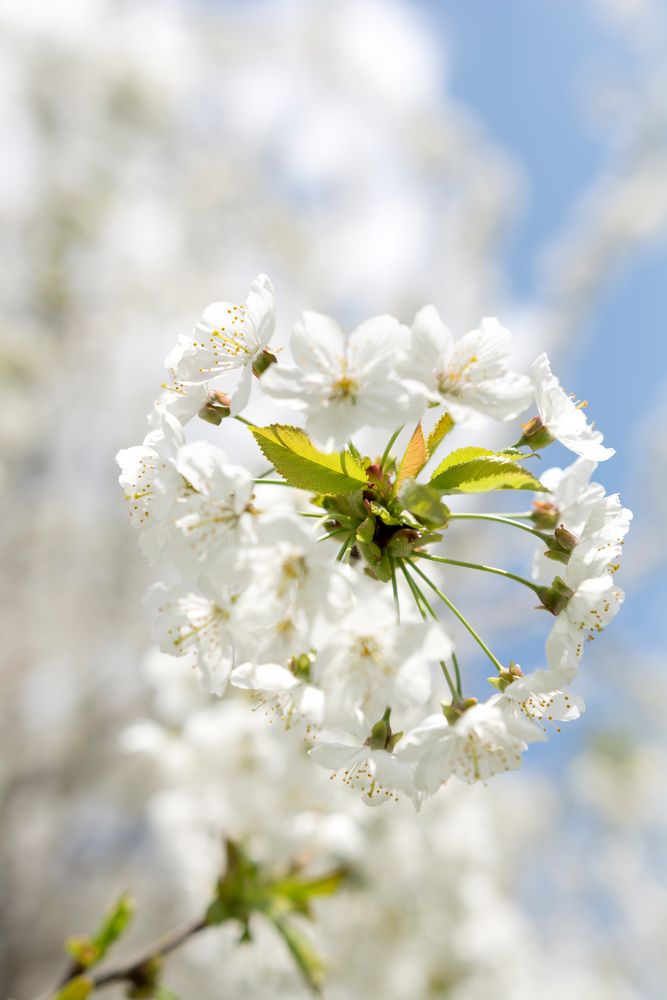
(370, 156)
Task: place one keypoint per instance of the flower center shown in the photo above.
(344, 389)
(449, 380)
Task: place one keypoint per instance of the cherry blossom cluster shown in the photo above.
(311, 583)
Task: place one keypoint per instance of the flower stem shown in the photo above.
(420, 600)
(501, 519)
(394, 587)
(270, 482)
(385, 454)
(485, 569)
(343, 549)
(332, 534)
(243, 420)
(458, 673)
(464, 621)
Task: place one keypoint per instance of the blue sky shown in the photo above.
(523, 67)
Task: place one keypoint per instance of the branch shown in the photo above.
(137, 969)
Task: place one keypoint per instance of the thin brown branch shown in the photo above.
(133, 970)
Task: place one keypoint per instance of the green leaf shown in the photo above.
(309, 962)
(415, 457)
(478, 470)
(366, 530)
(303, 465)
(115, 923)
(89, 950)
(76, 989)
(385, 516)
(423, 501)
(444, 425)
(162, 993)
(300, 891)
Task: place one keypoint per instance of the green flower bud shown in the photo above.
(454, 711)
(555, 597)
(545, 515)
(565, 538)
(506, 676)
(262, 362)
(300, 665)
(216, 408)
(382, 737)
(535, 435)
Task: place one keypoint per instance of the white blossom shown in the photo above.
(286, 689)
(381, 775)
(595, 601)
(227, 338)
(212, 622)
(470, 375)
(214, 517)
(367, 661)
(344, 384)
(480, 743)
(562, 417)
(539, 697)
(596, 523)
(151, 481)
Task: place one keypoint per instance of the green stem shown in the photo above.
(501, 519)
(394, 587)
(485, 569)
(458, 674)
(267, 473)
(393, 437)
(343, 549)
(464, 621)
(332, 534)
(243, 420)
(419, 600)
(270, 482)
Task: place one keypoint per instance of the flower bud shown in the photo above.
(506, 676)
(545, 514)
(561, 545)
(381, 737)
(262, 362)
(565, 538)
(454, 711)
(535, 435)
(555, 597)
(300, 665)
(216, 408)
(403, 541)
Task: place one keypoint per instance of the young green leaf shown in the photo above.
(303, 465)
(76, 989)
(478, 470)
(415, 457)
(87, 950)
(162, 993)
(300, 891)
(309, 962)
(444, 425)
(423, 501)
